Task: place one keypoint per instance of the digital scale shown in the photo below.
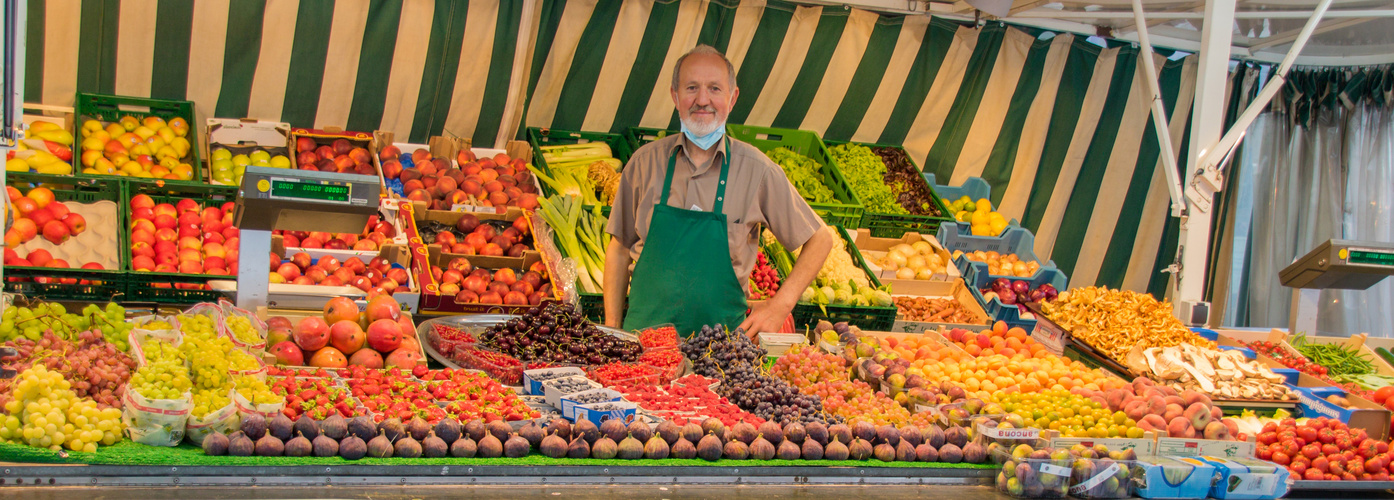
(1333, 265)
(295, 200)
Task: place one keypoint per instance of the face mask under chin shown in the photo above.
(704, 136)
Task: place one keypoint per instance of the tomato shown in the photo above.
(1311, 451)
(1313, 475)
(1268, 437)
(1298, 468)
(1320, 464)
(1307, 434)
(1382, 394)
(1281, 458)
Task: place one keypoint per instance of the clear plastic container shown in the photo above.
(553, 395)
(1103, 478)
(1034, 478)
(508, 371)
(644, 374)
(666, 337)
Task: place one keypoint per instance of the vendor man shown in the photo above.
(688, 213)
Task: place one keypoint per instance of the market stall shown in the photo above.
(370, 278)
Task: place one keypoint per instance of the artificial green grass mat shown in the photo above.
(129, 453)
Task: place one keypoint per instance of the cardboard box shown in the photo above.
(58, 115)
(434, 302)
(289, 296)
(1183, 447)
(873, 249)
(326, 137)
(1158, 484)
(1145, 446)
(1361, 414)
(243, 136)
(939, 290)
(776, 343)
(295, 315)
(450, 218)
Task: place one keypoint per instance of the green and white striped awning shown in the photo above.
(1059, 125)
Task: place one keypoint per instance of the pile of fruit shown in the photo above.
(1081, 471)
(912, 261)
(470, 236)
(978, 214)
(377, 276)
(1018, 292)
(688, 399)
(842, 282)
(1002, 264)
(34, 321)
(150, 148)
(498, 181)
(983, 375)
(1324, 449)
(43, 258)
(1070, 414)
(477, 285)
(46, 149)
(945, 310)
(377, 232)
(998, 340)
(738, 362)
(826, 376)
(227, 168)
(906, 182)
(764, 280)
(1116, 321)
(183, 238)
(314, 396)
(332, 155)
(379, 336)
(38, 214)
(865, 174)
(93, 367)
(557, 332)
(44, 412)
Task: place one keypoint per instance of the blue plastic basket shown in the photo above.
(1017, 240)
(975, 188)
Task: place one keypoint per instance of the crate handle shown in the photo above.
(134, 108)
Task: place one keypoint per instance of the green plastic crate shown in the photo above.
(639, 136)
(539, 137)
(86, 285)
(880, 319)
(896, 225)
(110, 108)
(846, 213)
(162, 288)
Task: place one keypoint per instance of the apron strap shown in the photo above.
(721, 183)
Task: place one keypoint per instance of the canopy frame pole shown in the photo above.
(1210, 151)
(13, 15)
(1159, 114)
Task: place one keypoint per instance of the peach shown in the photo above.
(1198, 414)
(1216, 430)
(1181, 427)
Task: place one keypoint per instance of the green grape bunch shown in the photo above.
(31, 322)
(245, 332)
(44, 412)
(164, 375)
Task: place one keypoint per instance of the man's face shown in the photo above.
(704, 95)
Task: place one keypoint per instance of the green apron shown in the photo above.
(684, 274)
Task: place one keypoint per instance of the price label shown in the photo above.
(1258, 485)
(1049, 336)
(1055, 470)
(1098, 479)
(1011, 433)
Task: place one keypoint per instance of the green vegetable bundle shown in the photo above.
(804, 174)
(1338, 359)
(865, 173)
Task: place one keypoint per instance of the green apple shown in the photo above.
(260, 155)
(280, 161)
(241, 160)
(222, 154)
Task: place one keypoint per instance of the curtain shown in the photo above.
(1323, 168)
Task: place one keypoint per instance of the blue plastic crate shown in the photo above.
(1206, 334)
(1017, 240)
(1247, 352)
(975, 188)
(975, 275)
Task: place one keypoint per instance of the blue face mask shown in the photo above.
(705, 141)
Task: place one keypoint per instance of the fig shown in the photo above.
(306, 426)
(934, 436)
(761, 449)
(888, 434)
(712, 425)
(640, 431)
(281, 426)
(904, 452)
(743, 432)
(215, 444)
(604, 448)
(683, 449)
(298, 446)
(530, 432)
(269, 446)
(956, 436)
(817, 432)
(475, 430)
(561, 427)
(490, 447)
(363, 427)
(630, 448)
(657, 448)
(353, 448)
(448, 430)
(586, 430)
(926, 453)
(709, 447)
(772, 433)
(836, 450)
(884, 452)
(392, 429)
(795, 432)
(864, 431)
(950, 453)
(463, 448)
(842, 432)
(500, 430)
(912, 434)
(692, 432)
(239, 445)
(578, 448)
(433, 446)
(418, 428)
(974, 453)
(669, 431)
(516, 447)
(736, 450)
(380, 446)
(553, 446)
(811, 450)
(325, 446)
(788, 451)
(614, 429)
(335, 427)
(254, 426)
(407, 447)
(860, 449)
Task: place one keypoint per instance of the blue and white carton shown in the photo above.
(1174, 478)
(1248, 479)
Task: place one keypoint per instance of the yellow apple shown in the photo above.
(90, 127)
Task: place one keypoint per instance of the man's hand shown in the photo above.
(768, 316)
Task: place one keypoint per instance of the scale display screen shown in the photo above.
(309, 190)
(1371, 258)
